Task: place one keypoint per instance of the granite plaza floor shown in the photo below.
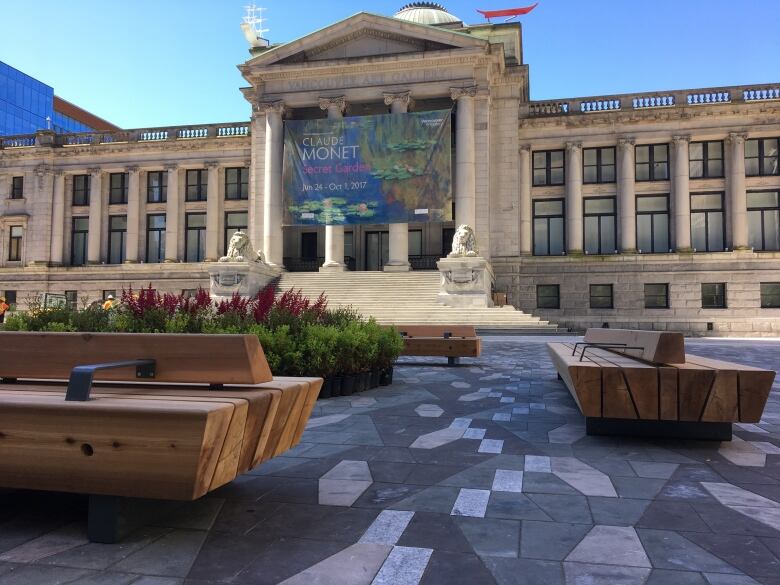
(477, 475)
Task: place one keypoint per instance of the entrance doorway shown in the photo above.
(377, 250)
(309, 245)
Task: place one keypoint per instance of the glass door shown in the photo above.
(377, 250)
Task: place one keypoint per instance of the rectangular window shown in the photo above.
(234, 221)
(78, 247)
(652, 162)
(81, 189)
(17, 187)
(770, 295)
(10, 298)
(197, 184)
(652, 224)
(548, 167)
(598, 165)
(415, 243)
(656, 296)
(706, 159)
(548, 296)
(761, 157)
(349, 246)
(157, 186)
(707, 226)
(549, 232)
(195, 237)
(72, 299)
(155, 238)
(117, 230)
(600, 296)
(117, 194)
(764, 220)
(713, 295)
(599, 225)
(15, 244)
(237, 183)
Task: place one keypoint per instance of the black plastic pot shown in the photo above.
(375, 375)
(348, 385)
(327, 389)
(337, 381)
(386, 377)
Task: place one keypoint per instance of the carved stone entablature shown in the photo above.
(262, 108)
(404, 97)
(459, 92)
(339, 102)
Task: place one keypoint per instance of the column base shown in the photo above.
(684, 250)
(333, 267)
(400, 267)
(629, 251)
(170, 261)
(575, 253)
(38, 263)
(130, 262)
(742, 249)
(94, 263)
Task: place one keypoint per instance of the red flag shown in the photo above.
(512, 12)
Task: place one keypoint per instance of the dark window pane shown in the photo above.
(608, 174)
(556, 176)
(557, 241)
(770, 295)
(589, 156)
(600, 205)
(713, 295)
(772, 230)
(754, 230)
(554, 207)
(608, 234)
(714, 168)
(696, 151)
(642, 154)
(540, 160)
(556, 158)
(656, 296)
(644, 234)
(540, 176)
(698, 231)
(661, 232)
(590, 175)
(540, 237)
(591, 235)
(660, 152)
(696, 169)
(600, 296)
(715, 232)
(547, 296)
(642, 172)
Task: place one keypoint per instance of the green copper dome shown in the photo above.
(426, 13)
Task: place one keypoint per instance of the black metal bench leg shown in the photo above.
(453, 361)
(559, 377)
(103, 519)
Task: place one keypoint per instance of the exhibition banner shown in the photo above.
(391, 168)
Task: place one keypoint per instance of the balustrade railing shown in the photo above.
(311, 264)
(647, 101)
(48, 138)
(424, 262)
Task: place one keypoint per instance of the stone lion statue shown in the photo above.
(464, 243)
(240, 250)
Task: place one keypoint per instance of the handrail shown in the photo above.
(80, 382)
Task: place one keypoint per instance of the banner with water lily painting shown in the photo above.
(392, 168)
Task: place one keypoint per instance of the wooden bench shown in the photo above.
(451, 341)
(643, 383)
(169, 417)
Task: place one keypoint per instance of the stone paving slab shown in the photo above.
(479, 474)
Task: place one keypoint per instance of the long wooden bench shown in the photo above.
(643, 383)
(155, 416)
(450, 341)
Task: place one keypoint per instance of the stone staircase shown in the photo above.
(408, 299)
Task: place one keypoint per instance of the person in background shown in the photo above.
(109, 303)
(3, 309)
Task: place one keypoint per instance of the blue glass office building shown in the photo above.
(27, 105)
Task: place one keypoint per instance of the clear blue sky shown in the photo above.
(159, 62)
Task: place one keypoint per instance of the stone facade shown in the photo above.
(369, 64)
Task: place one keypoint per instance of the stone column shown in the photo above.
(213, 197)
(626, 195)
(526, 213)
(399, 232)
(95, 216)
(465, 156)
(574, 242)
(172, 215)
(681, 194)
(334, 234)
(58, 220)
(133, 214)
(736, 190)
(273, 242)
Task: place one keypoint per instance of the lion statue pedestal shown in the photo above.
(466, 278)
(241, 270)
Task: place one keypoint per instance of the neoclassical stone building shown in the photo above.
(648, 210)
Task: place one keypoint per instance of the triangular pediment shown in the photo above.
(365, 35)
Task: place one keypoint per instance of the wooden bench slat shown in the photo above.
(657, 346)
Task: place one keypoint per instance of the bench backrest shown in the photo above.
(194, 359)
(437, 330)
(655, 346)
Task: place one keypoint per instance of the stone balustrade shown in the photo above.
(46, 138)
(650, 100)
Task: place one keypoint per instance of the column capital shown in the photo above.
(525, 148)
(403, 96)
(737, 137)
(681, 138)
(626, 141)
(94, 170)
(276, 106)
(171, 167)
(58, 172)
(211, 164)
(43, 169)
(132, 169)
(571, 146)
(339, 102)
(458, 92)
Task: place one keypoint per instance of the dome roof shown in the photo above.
(426, 13)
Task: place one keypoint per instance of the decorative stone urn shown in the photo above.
(241, 270)
(466, 277)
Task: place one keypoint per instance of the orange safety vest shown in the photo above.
(3, 308)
